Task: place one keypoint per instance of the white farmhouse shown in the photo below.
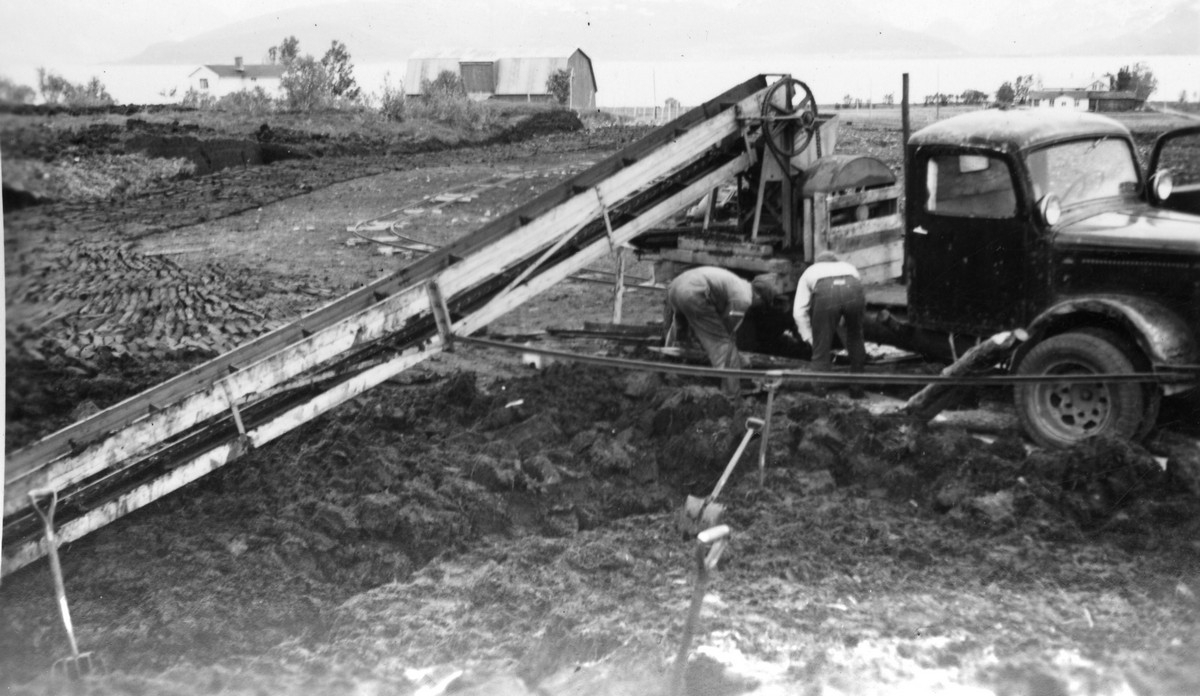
(1072, 98)
(219, 80)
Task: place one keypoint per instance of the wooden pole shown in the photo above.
(905, 126)
(619, 287)
(905, 131)
(935, 398)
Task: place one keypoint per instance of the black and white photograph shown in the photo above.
(614, 348)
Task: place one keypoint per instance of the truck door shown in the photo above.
(1178, 152)
(965, 242)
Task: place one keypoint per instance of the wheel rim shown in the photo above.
(1073, 410)
(807, 123)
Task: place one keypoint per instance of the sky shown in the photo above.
(99, 31)
(689, 47)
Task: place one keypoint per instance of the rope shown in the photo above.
(1166, 376)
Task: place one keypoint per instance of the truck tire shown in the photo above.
(1151, 393)
(1059, 415)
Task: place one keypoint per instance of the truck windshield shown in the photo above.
(1083, 170)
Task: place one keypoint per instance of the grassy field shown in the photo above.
(888, 118)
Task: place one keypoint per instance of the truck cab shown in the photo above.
(1046, 222)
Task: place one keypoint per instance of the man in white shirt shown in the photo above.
(828, 293)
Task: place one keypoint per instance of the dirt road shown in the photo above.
(478, 526)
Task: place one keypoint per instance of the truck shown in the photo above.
(1012, 219)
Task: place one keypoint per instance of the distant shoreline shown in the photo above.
(651, 83)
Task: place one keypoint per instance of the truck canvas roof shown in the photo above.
(1011, 131)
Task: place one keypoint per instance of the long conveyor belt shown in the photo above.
(161, 439)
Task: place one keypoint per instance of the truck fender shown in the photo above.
(1164, 337)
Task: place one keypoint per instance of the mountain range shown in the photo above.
(386, 32)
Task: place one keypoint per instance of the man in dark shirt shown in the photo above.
(713, 301)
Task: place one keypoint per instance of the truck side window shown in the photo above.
(969, 186)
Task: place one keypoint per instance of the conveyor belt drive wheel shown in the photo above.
(782, 115)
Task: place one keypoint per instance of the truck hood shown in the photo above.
(1140, 227)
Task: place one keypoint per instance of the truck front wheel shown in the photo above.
(1059, 414)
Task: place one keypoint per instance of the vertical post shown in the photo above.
(619, 288)
(905, 131)
(905, 127)
(808, 230)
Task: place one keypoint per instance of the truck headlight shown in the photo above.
(1164, 184)
(1050, 208)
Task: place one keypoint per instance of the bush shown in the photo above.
(559, 85)
(458, 113)
(306, 85)
(392, 105)
(446, 101)
(194, 99)
(255, 102)
(12, 93)
(56, 89)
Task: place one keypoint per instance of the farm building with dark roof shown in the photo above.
(510, 76)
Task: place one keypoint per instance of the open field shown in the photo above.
(921, 116)
(477, 526)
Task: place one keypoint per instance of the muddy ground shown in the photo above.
(480, 526)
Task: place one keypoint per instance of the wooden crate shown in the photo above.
(864, 228)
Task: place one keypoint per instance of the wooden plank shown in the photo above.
(937, 397)
(808, 229)
(250, 380)
(743, 248)
(887, 223)
(746, 263)
(820, 213)
(541, 233)
(594, 251)
(882, 273)
(27, 551)
(855, 198)
(879, 264)
(845, 238)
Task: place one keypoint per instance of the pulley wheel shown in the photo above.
(781, 121)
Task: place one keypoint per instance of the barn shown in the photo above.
(507, 75)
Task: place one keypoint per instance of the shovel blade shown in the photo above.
(77, 667)
(698, 514)
(711, 516)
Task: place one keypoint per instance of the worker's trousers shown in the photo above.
(710, 329)
(836, 300)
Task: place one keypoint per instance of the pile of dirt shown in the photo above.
(539, 124)
(523, 528)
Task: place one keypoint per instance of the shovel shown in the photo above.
(702, 513)
(78, 664)
(706, 561)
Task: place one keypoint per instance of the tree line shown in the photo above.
(1137, 79)
(307, 84)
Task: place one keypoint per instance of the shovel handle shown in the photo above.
(44, 501)
(750, 430)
